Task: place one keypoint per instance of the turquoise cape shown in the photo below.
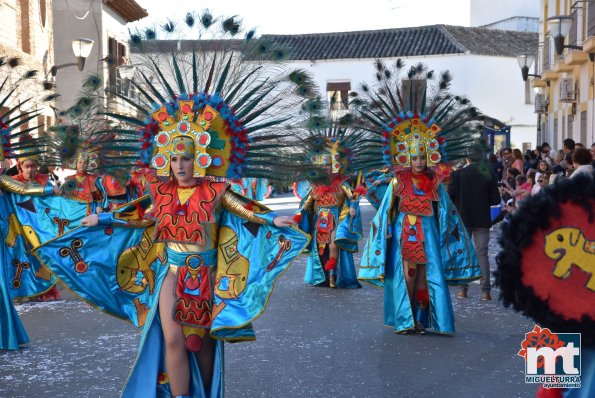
(451, 260)
(349, 231)
(264, 250)
(26, 222)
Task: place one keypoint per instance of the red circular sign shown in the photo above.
(186, 108)
(162, 116)
(183, 127)
(208, 115)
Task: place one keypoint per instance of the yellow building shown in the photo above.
(565, 72)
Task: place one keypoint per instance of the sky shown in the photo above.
(317, 16)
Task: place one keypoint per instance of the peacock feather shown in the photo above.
(260, 102)
(400, 95)
(22, 97)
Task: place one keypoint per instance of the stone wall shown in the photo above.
(26, 32)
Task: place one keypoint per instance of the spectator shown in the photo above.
(542, 166)
(568, 145)
(563, 169)
(593, 153)
(581, 159)
(494, 166)
(531, 176)
(474, 193)
(545, 153)
(506, 160)
(507, 210)
(518, 162)
(530, 161)
(568, 165)
(511, 174)
(556, 158)
(537, 152)
(541, 181)
(578, 145)
(508, 183)
(522, 190)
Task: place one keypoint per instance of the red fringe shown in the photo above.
(331, 264)
(360, 190)
(424, 183)
(297, 217)
(422, 295)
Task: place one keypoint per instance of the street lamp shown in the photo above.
(81, 48)
(525, 61)
(559, 28)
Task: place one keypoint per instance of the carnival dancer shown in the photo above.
(418, 244)
(115, 193)
(25, 220)
(546, 270)
(85, 186)
(200, 265)
(330, 210)
(27, 166)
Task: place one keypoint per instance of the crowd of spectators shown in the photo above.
(520, 176)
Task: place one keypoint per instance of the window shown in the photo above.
(25, 28)
(338, 98)
(42, 11)
(8, 23)
(526, 147)
(117, 55)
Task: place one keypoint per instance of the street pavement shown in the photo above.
(311, 342)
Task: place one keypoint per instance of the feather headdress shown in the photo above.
(337, 148)
(227, 101)
(416, 114)
(19, 89)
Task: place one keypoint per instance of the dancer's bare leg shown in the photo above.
(206, 361)
(176, 355)
(409, 271)
(421, 281)
(333, 249)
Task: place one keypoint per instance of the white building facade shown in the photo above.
(483, 64)
(104, 22)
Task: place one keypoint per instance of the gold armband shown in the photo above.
(347, 191)
(235, 206)
(10, 185)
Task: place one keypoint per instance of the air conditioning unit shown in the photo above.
(541, 104)
(567, 93)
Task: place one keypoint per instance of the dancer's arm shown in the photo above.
(232, 204)
(10, 185)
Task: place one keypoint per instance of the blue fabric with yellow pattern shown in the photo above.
(125, 281)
